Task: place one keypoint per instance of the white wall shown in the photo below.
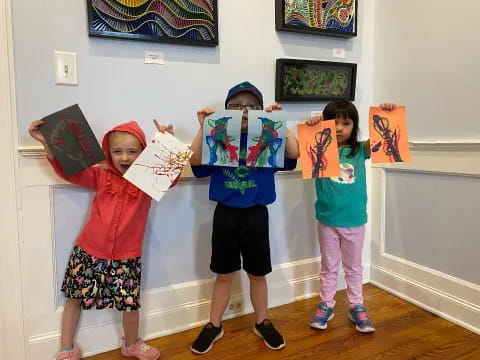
(427, 57)
(115, 86)
(425, 213)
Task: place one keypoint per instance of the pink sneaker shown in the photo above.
(73, 354)
(141, 351)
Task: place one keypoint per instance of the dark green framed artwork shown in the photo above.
(314, 81)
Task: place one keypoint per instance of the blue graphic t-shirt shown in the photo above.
(241, 186)
(342, 200)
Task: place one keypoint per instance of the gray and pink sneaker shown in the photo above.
(359, 316)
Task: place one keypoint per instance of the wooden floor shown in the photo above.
(404, 331)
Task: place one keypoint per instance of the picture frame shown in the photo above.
(318, 17)
(314, 81)
(146, 20)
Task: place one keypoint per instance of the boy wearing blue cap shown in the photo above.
(240, 222)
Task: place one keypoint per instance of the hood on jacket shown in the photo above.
(131, 127)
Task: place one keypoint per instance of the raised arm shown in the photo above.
(164, 128)
(367, 148)
(196, 145)
(291, 146)
(37, 135)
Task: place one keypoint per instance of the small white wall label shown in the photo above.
(152, 57)
(339, 52)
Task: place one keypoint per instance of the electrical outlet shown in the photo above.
(235, 305)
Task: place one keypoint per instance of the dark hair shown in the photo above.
(344, 109)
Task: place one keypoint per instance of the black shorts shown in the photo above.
(240, 233)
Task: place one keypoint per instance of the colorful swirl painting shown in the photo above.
(192, 22)
(266, 139)
(221, 138)
(325, 17)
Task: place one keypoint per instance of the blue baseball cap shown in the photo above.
(244, 87)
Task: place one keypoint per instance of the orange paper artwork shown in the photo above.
(388, 135)
(319, 150)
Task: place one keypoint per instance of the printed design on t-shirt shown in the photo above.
(347, 174)
(236, 176)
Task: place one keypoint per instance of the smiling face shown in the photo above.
(124, 149)
(244, 98)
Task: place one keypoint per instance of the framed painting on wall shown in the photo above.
(322, 17)
(311, 80)
(169, 21)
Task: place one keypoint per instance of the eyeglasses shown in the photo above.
(242, 106)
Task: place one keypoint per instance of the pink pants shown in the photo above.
(346, 244)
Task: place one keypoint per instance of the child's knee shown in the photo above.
(225, 277)
(257, 279)
(130, 315)
(72, 302)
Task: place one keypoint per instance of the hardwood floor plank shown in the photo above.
(404, 331)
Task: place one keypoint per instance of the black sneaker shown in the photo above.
(207, 337)
(269, 334)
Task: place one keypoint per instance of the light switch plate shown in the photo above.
(66, 68)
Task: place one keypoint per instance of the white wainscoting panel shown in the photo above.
(441, 174)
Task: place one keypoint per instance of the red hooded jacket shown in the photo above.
(119, 210)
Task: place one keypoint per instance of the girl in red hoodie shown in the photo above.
(105, 266)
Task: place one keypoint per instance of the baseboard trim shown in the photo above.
(289, 282)
(440, 303)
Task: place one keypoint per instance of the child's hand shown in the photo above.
(314, 120)
(164, 128)
(388, 106)
(35, 133)
(202, 113)
(273, 107)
